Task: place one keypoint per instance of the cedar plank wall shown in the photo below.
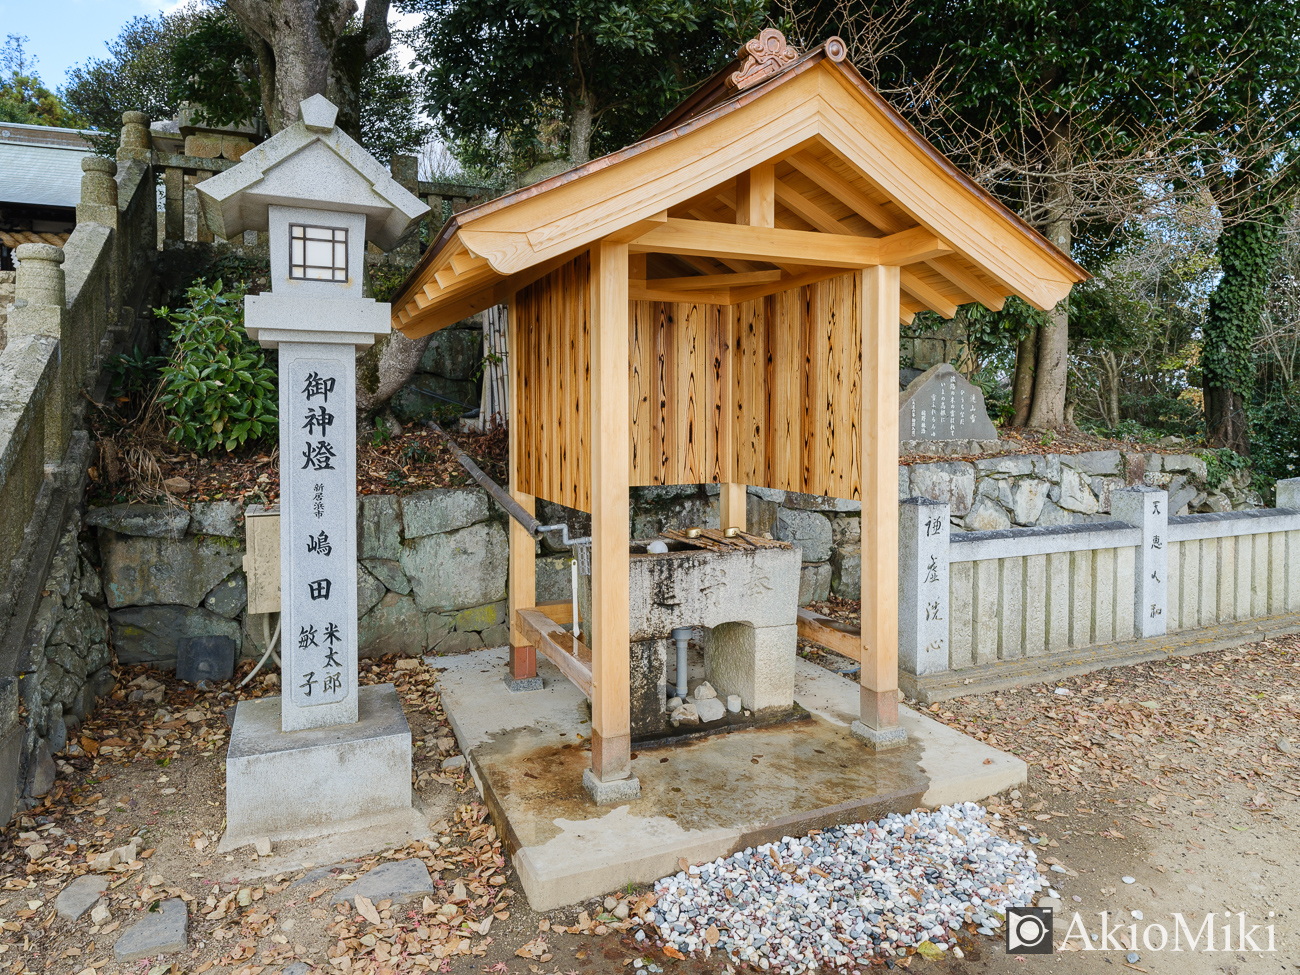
(796, 363)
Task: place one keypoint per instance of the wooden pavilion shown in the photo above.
(720, 302)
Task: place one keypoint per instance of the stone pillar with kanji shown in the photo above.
(327, 756)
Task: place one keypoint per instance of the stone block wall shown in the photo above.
(431, 575)
(64, 667)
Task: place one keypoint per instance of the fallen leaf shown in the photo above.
(366, 909)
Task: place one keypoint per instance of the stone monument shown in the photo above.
(327, 755)
(941, 404)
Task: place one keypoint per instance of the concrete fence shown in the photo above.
(1045, 599)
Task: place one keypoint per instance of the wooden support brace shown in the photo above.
(522, 585)
(611, 741)
(878, 306)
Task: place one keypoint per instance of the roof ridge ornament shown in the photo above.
(765, 55)
(318, 113)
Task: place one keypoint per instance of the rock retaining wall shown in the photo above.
(65, 666)
(431, 575)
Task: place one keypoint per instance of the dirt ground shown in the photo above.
(1182, 775)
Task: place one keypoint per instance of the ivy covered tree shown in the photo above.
(542, 85)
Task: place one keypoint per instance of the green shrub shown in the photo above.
(218, 390)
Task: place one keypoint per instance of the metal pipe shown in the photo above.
(511, 506)
(682, 634)
(573, 577)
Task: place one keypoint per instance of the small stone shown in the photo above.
(80, 896)
(263, 846)
(36, 851)
(1137, 915)
(710, 709)
(1077, 899)
(100, 914)
(611, 903)
(158, 932)
(397, 881)
(733, 703)
(704, 692)
(453, 763)
(177, 485)
(1285, 746)
(685, 714)
(621, 911)
(1132, 958)
(673, 703)
(1129, 880)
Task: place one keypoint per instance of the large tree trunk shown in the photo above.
(1053, 355)
(1227, 373)
(580, 125)
(1022, 389)
(303, 51)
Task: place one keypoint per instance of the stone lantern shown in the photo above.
(320, 197)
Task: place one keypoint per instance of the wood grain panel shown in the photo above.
(554, 377)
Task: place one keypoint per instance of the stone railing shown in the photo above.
(1033, 603)
(72, 307)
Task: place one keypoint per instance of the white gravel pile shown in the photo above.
(842, 896)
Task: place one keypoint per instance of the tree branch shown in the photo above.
(374, 24)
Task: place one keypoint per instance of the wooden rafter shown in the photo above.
(710, 282)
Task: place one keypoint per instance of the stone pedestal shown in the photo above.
(303, 784)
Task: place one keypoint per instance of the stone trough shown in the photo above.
(741, 596)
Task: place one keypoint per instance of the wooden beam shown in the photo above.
(844, 639)
(656, 294)
(755, 196)
(926, 295)
(462, 262)
(611, 740)
(878, 307)
(559, 611)
(808, 276)
(910, 247)
(635, 230)
(438, 318)
(571, 657)
(710, 282)
(969, 282)
(707, 239)
(521, 592)
(846, 192)
(809, 211)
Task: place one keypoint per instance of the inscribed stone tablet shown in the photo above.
(940, 404)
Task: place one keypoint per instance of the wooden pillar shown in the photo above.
(522, 586)
(877, 289)
(755, 207)
(610, 777)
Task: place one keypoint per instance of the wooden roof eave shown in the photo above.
(460, 229)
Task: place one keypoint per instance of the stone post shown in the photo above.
(98, 192)
(40, 309)
(1147, 508)
(1288, 493)
(136, 141)
(923, 586)
(174, 204)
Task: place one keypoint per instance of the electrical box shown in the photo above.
(262, 558)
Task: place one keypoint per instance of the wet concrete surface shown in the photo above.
(700, 799)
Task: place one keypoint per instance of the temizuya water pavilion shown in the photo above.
(720, 302)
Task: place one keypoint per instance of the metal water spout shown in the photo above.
(682, 634)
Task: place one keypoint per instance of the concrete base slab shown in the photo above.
(709, 798)
(318, 781)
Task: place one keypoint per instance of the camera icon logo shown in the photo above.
(1029, 930)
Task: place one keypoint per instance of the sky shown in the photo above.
(64, 33)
